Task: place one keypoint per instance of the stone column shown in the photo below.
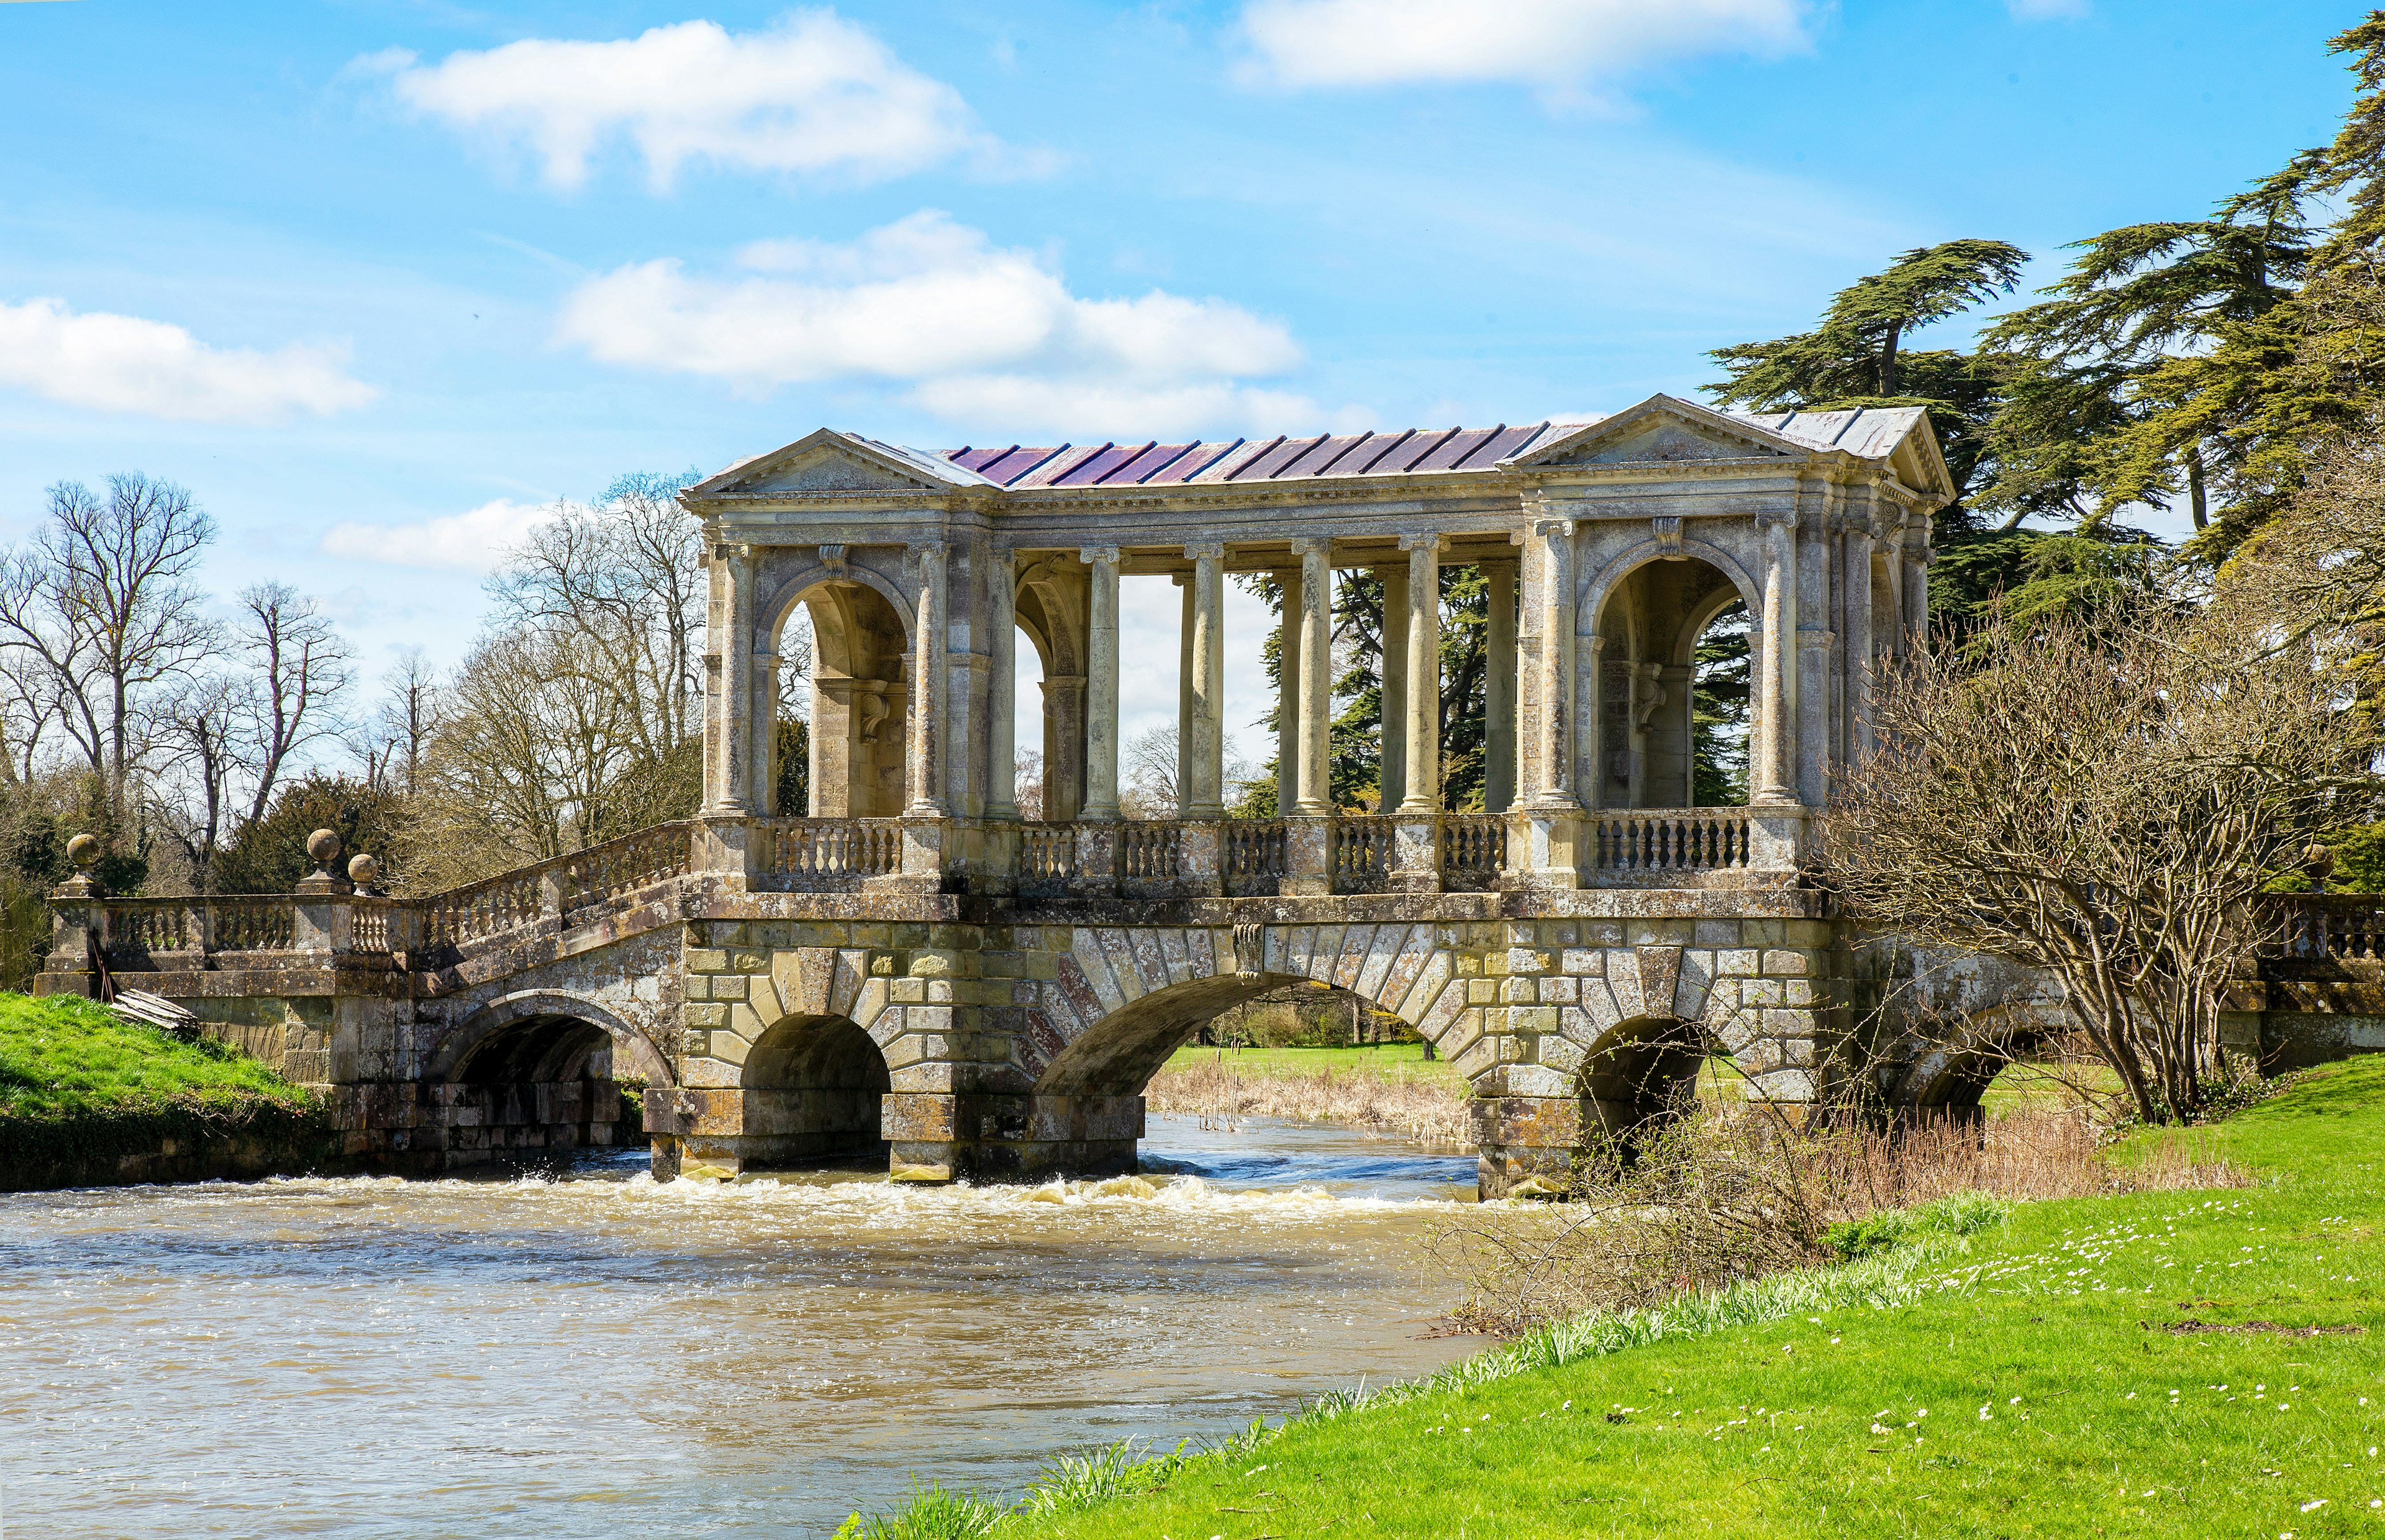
(1316, 677)
(1775, 687)
(733, 772)
(1594, 728)
(1499, 688)
(1393, 726)
(1183, 581)
(1287, 694)
(763, 740)
(928, 687)
(1002, 691)
(1855, 635)
(1916, 594)
(1205, 728)
(1423, 637)
(1063, 758)
(1101, 689)
(1556, 664)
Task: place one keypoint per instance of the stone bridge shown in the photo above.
(913, 967)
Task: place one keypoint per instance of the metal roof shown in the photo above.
(1871, 432)
(1242, 461)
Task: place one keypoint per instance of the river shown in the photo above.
(595, 1354)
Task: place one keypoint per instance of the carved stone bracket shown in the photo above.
(1667, 528)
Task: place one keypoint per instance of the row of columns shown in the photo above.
(1411, 747)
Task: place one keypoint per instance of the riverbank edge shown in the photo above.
(89, 1098)
(1907, 1276)
(171, 1142)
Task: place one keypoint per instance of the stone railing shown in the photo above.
(1251, 852)
(1667, 846)
(1473, 850)
(828, 852)
(1150, 852)
(494, 906)
(1364, 849)
(2344, 927)
(1048, 854)
(601, 873)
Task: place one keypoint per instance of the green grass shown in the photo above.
(63, 1058)
(2013, 1381)
(1390, 1061)
(79, 1086)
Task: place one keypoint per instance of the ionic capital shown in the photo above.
(1779, 518)
(1553, 529)
(1424, 543)
(1094, 555)
(1213, 551)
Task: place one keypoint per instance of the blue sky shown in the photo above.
(375, 278)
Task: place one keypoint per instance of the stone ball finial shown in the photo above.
(323, 847)
(83, 852)
(364, 870)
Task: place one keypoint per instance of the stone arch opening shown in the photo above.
(813, 1090)
(1052, 612)
(860, 695)
(535, 1078)
(1950, 1078)
(1641, 1073)
(1649, 614)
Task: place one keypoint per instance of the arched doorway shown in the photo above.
(813, 1090)
(1673, 664)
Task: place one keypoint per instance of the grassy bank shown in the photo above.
(82, 1091)
(2187, 1363)
(1392, 1089)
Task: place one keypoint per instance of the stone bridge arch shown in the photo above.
(536, 1072)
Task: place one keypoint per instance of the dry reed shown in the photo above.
(1432, 1112)
(1719, 1197)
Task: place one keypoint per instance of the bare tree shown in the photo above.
(99, 607)
(2105, 805)
(233, 731)
(1030, 784)
(392, 741)
(1148, 789)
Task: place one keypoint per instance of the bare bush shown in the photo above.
(2105, 805)
(1715, 1198)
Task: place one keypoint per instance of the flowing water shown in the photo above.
(596, 1355)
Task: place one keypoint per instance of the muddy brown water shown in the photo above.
(592, 1354)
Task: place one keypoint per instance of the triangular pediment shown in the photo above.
(829, 461)
(1661, 430)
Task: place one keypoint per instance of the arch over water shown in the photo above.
(814, 1089)
(537, 1073)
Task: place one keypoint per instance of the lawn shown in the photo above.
(63, 1058)
(2166, 1363)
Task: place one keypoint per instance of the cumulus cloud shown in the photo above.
(977, 333)
(814, 94)
(1550, 43)
(475, 541)
(155, 370)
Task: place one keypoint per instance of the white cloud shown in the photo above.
(1550, 43)
(814, 94)
(154, 369)
(475, 541)
(2046, 10)
(978, 333)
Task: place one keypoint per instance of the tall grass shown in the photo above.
(1432, 1112)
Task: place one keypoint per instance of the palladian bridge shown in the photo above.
(912, 968)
